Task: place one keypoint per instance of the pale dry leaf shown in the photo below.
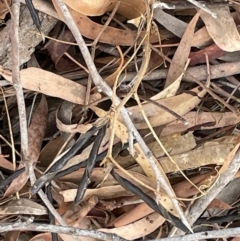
(181, 104)
(139, 228)
(52, 84)
(73, 128)
(174, 144)
(201, 38)
(201, 121)
(180, 57)
(213, 152)
(228, 159)
(222, 29)
(23, 206)
(101, 193)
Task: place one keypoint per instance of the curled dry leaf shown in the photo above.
(4, 9)
(51, 84)
(128, 9)
(222, 29)
(113, 36)
(139, 228)
(22, 206)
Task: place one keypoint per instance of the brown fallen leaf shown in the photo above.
(4, 163)
(213, 52)
(218, 204)
(36, 130)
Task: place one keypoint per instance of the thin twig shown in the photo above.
(16, 79)
(102, 86)
(5, 227)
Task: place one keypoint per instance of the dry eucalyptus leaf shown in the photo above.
(4, 163)
(23, 206)
(113, 36)
(36, 130)
(202, 121)
(51, 84)
(213, 152)
(128, 9)
(101, 193)
(181, 104)
(180, 57)
(222, 29)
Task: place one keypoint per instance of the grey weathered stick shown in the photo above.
(224, 233)
(21, 106)
(26, 226)
(103, 86)
(198, 72)
(16, 78)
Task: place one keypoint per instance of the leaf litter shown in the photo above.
(95, 173)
